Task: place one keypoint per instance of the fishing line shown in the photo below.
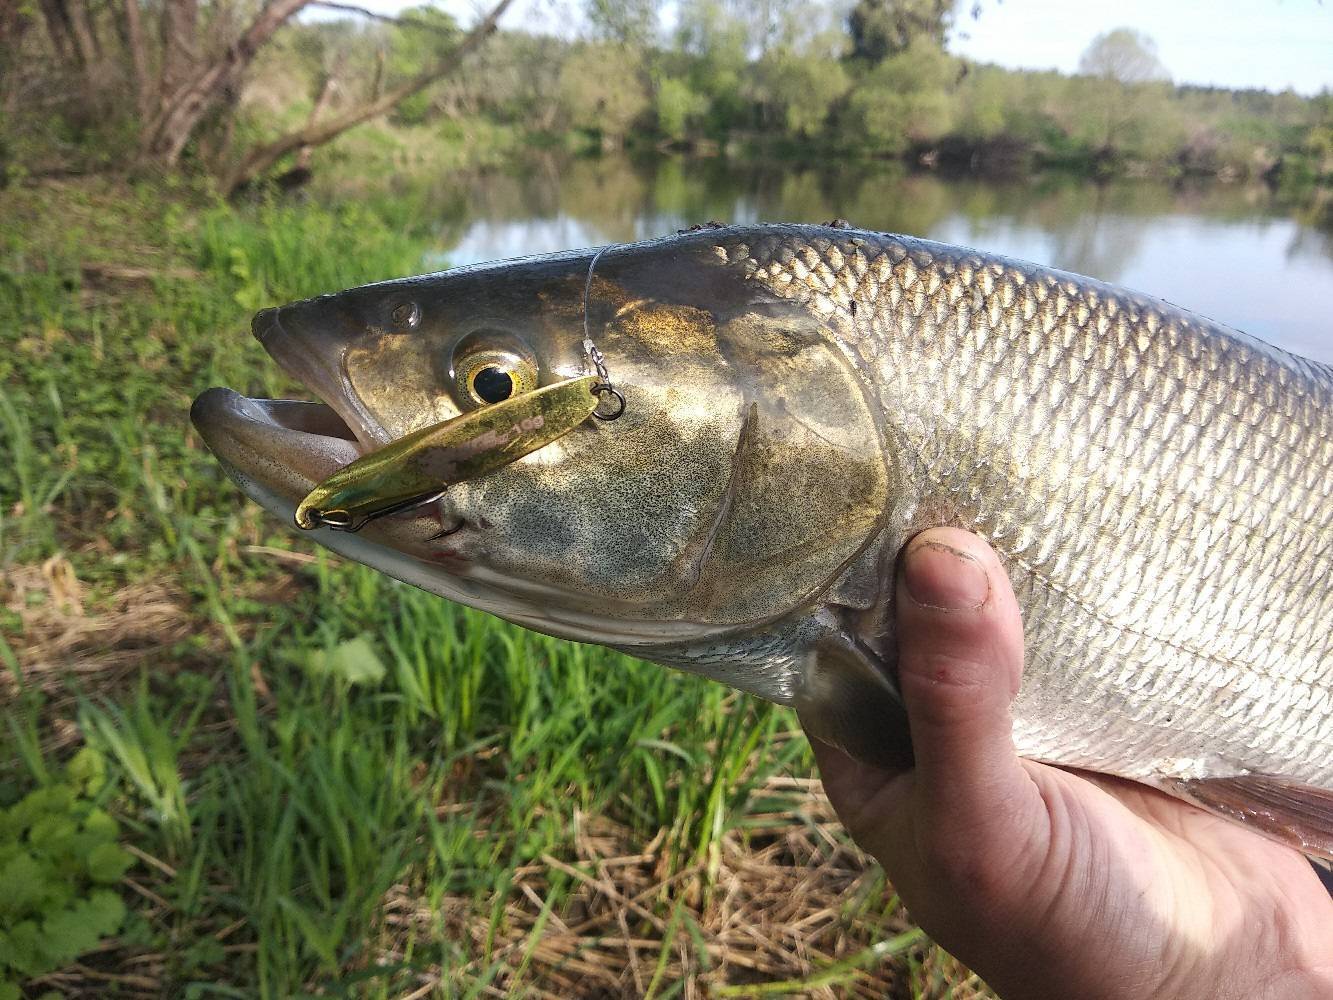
(594, 358)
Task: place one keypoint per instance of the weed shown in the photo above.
(59, 857)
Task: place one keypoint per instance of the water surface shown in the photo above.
(1242, 255)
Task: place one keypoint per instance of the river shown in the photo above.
(1240, 254)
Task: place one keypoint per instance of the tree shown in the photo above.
(1126, 97)
(678, 107)
(601, 91)
(906, 99)
(802, 89)
(184, 63)
(1319, 140)
(882, 28)
(625, 22)
(317, 132)
(714, 41)
(1123, 56)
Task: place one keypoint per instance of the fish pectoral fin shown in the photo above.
(1294, 813)
(848, 701)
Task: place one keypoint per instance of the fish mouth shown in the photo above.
(278, 450)
(300, 355)
(276, 441)
(283, 447)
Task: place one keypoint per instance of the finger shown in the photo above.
(960, 663)
(860, 792)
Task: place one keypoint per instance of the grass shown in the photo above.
(332, 784)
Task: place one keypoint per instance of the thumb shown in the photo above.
(960, 660)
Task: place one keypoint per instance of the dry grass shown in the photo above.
(61, 637)
(795, 906)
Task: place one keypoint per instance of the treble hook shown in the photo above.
(341, 520)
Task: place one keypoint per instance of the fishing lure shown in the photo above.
(417, 469)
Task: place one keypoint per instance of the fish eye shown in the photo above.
(493, 384)
(492, 376)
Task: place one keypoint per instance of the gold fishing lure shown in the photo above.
(418, 468)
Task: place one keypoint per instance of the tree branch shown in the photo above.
(165, 137)
(85, 37)
(403, 22)
(263, 157)
(322, 101)
(57, 27)
(137, 46)
(16, 17)
(377, 84)
(179, 26)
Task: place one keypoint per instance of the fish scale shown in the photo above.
(1092, 435)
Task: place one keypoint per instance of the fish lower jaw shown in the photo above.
(279, 440)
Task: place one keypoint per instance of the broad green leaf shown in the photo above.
(86, 770)
(23, 883)
(108, 862)
(105, 912)
(66, 935)
(57, 798)
(354, 661)
(23, 948)
(52, 833)
(101, 825)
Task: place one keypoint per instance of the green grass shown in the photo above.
(333, 784)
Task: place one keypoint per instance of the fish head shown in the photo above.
(746, 473)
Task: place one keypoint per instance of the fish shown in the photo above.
(800, 401)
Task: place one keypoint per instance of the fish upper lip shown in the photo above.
(310, 438)
(264, 324)
(299, 357)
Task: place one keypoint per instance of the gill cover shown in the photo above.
(748, 472)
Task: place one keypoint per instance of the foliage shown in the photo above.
(800, 89)
(678, 107)
(423, 36)
(59, 857)
(883, 28)
(1124, 56)
(870, 80)
(904, 99)
(624, 22)
(160, 85)
(601, 89)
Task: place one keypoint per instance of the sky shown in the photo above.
(1272, 44)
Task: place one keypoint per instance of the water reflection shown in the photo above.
(1237, 254)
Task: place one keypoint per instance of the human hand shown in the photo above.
(1050, 883)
